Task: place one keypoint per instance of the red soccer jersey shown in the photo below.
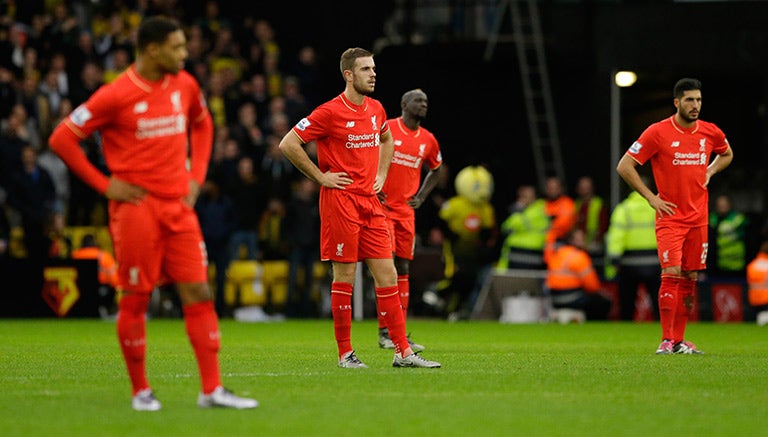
(412, 150)
(143, 127)
(679, 158)
(347, 137)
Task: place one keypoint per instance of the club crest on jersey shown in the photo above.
(303, 124)
(635, 148)
(422, 147)
(176, 101)
(140, 108)
(373, 123)
(80, 116)
(702, 144)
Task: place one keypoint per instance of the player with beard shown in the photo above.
(679, 149)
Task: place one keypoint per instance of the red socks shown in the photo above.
(404, 286)
(668, 304)
(388, 304)
(685, 299)
(132, 334)
(341, 308)
(202, 326)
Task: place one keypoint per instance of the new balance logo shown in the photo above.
(350, 124)
(675, 144)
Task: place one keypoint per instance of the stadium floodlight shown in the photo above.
(625, 79)
(619, 79)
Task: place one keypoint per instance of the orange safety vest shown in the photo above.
(757, 278)
(570, 268)
(107, 264)
(563, 214)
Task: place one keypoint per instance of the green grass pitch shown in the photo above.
(66, 378)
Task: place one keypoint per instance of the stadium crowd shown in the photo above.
(54, 55)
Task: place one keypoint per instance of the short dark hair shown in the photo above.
(685, 84)
(349, 57)
(155, 29)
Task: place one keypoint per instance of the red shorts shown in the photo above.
(682, 246)
(158, 241)
(403, 234)
(352, 227)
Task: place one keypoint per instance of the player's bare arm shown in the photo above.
(627, 169)
(719, 164)
(293, 149)
(386, 151)
(430, 181)
(194, 192)
(123, 191)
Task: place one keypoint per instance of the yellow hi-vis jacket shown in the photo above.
(631, 237)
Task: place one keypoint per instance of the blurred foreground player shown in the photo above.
(148, 119)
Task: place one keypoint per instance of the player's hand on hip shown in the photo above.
(123, 191)
(378, 184)
(335, 180)
(661, 206)
(194, 192)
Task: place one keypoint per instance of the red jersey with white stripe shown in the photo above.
(679, 158)
(348, 138)
(412, 150)
(144, 132)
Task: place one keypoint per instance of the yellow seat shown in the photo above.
(243, 285)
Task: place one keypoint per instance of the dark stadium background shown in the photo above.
(476, 106)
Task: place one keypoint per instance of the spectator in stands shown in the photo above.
(250, 199)
(295, 103)
(524, 232)
(728, 243)
(572, 281)
(32, 193)
(5, 227)
(57, 242)
(591, 218)
(757, 279)
(91, 78)
(302, 230)
(307, 70)
(107, 273)
(276, 171)
(19, 125)
(35, 104)
(217, 222)
(59, 172)
(631, 252)
(247, 133)
(560, 209)
(273, 240)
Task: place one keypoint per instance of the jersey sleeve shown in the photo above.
(646, 145)
(79, 125)
(435, 157)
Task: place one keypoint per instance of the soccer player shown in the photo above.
(354, 152)
(157, 135)
(679, 149)
(414, 146)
